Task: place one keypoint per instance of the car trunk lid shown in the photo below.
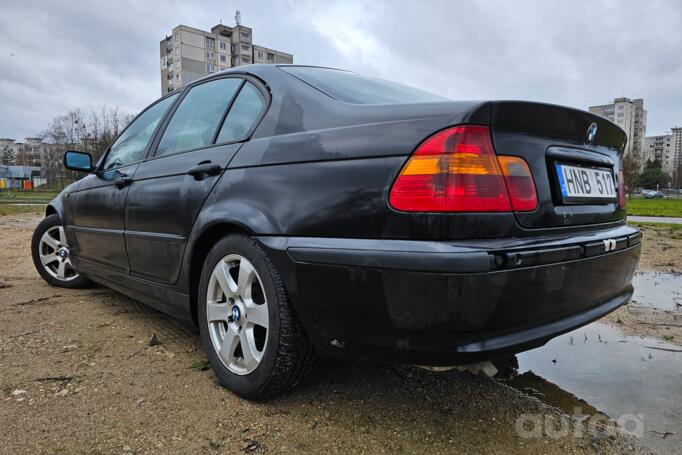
(548, 137)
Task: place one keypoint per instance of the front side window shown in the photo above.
(195, 121)
(243, 114)
(130, 146)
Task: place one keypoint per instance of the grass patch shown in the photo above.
(200, 365)
(655, 207)
(13, 209)
(12, 194)
(673, 230)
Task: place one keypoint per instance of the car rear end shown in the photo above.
(501, 227)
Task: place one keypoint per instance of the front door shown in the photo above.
(99, 203)
(169, 189)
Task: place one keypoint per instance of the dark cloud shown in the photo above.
(77, 54)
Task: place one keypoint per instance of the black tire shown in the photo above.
(76, 282)
(288, 356)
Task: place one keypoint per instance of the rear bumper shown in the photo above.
(442, 303)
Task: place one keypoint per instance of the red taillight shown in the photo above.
(519, 183)
(456, 170)
(622, 200)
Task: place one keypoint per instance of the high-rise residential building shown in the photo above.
(190, 53)
(667, 149)
(672, 162)
(630, 115)
(656, 147)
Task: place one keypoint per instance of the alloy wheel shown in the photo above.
(54, 254)
(237, 313)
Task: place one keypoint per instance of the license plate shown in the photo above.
(583, 183)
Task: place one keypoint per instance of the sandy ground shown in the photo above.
(77, 375)
(661, 251)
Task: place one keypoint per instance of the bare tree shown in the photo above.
(631, 167)
(90, 132)
(7, 156)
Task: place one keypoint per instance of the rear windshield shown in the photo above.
(353, 88)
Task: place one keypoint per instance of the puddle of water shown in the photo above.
(661, 290)
(616, 374)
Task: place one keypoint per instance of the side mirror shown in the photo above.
(78, 161)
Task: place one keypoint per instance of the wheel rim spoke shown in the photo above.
(62, 236)
(49, 258)
(50, 241)
(61, 270)
(216, 311)
(257, 314)
(248, 343)
(246, 274)
(225, 280)
(229, 345)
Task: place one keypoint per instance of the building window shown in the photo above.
(260, 54)
(210, 55)
(245, 47)
(223, 45)
(245, 36)
(177, 37)
(271, 56)
(210, 67)
(210, 42)
(222, 58)
(245, 59)
(177, 51)
(620, 114)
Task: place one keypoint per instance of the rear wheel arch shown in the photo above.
(200, 249)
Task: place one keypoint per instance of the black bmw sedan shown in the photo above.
(293, 212)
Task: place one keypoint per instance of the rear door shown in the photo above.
(576, 173)
(198, 141)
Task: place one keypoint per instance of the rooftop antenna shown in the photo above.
(238, 18)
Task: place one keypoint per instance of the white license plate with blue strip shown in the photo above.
(579, 182)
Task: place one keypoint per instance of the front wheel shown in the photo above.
(51, 255)
(249, 330)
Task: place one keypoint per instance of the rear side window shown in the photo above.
(195, 121)
(130, 146)
(353, 88)
(243, 114)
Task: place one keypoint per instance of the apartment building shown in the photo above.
(630, 115)
(672, 161)
(656, 147)
(32, 152)
(190, 53)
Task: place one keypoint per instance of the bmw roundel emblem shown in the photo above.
(591, 133)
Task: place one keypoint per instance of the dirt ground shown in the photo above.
(77, 375)
(661, 251)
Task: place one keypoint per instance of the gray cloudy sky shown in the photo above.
(58, 55)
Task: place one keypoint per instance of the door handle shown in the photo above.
(122, 182)
(204, 169)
